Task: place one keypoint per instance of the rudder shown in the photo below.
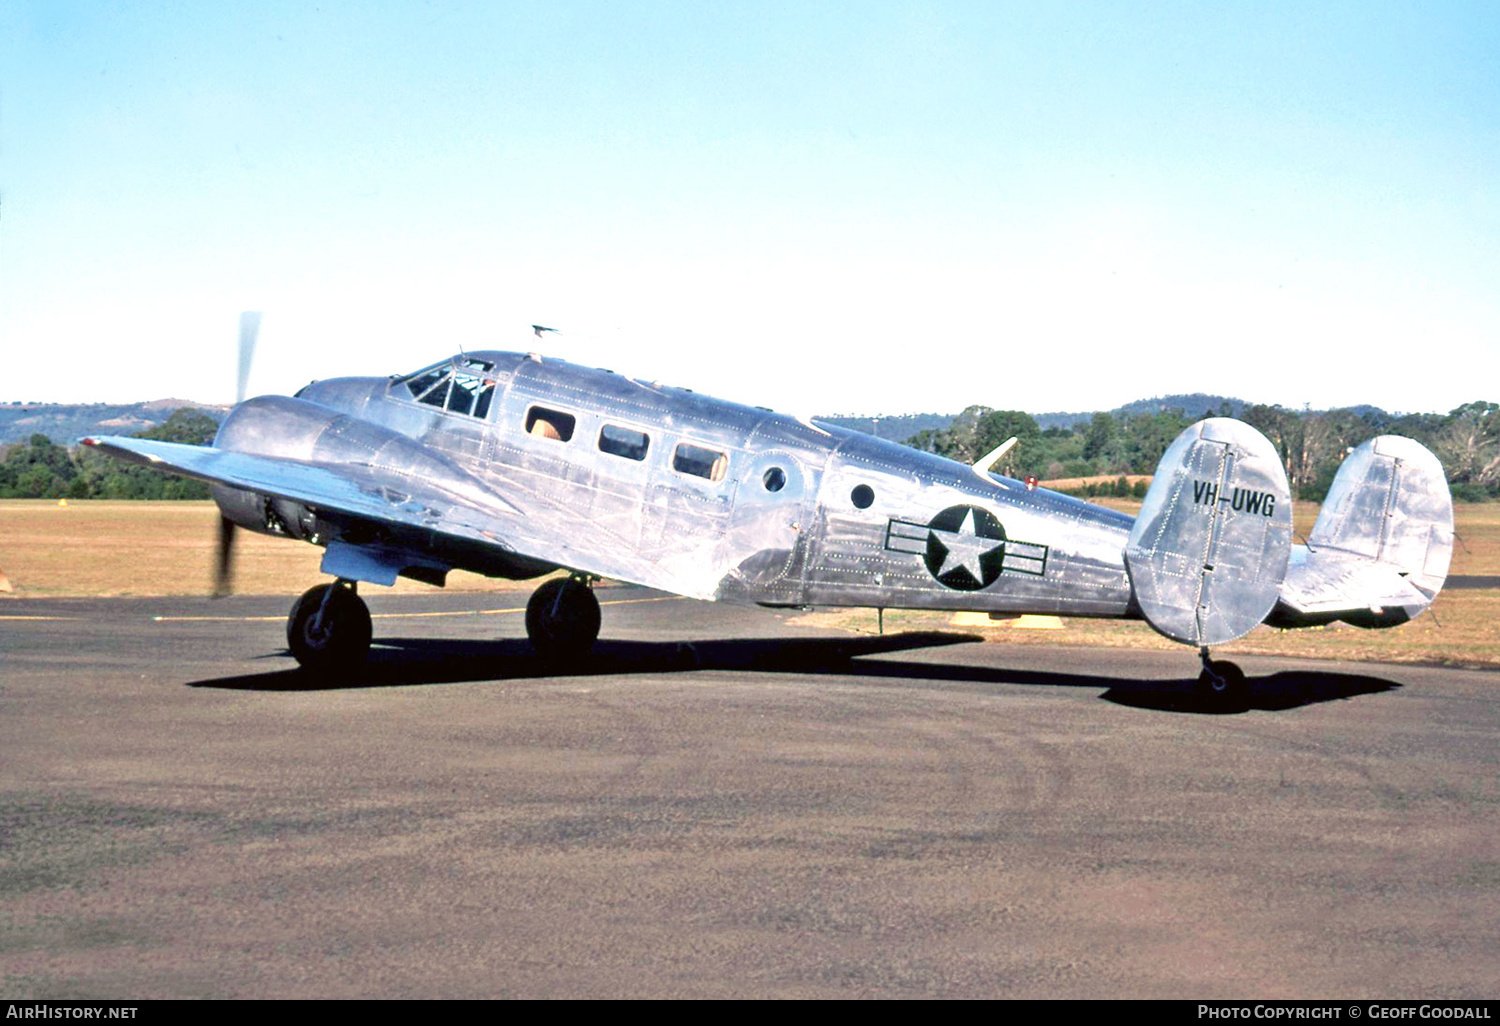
(1209, 550)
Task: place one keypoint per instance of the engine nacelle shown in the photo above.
(300, 430)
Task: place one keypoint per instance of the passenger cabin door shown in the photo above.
(686, 513)
(773, 509)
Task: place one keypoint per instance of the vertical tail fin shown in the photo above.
(1209, 550)
(1390, 504)
(1379, 552)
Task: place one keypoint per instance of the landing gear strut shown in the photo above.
(329, 627)
(1222, 684)
(562, 618)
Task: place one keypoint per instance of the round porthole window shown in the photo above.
(774, 479)
(862, 496)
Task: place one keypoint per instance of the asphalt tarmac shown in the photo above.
(723, 804)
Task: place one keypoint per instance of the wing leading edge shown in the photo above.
(351, 489)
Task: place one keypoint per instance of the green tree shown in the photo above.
(186, 426)
(1101, 437)
(1468, 443)
(39, 469)
(1146, 438)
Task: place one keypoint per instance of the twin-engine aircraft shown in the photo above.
(514, 465)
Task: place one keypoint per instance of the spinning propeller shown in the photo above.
(224, 564)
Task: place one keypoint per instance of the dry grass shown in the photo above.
(1063, 484)
(167, 548)
(99, 547)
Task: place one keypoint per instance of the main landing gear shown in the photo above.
(562, 619)
(329, 627)
(1222, 684)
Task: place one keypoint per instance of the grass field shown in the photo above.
(99, 548)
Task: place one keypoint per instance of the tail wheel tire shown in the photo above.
(329, 628)
(1222, 685)
(562, 619)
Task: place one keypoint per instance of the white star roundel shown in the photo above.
(965, 547)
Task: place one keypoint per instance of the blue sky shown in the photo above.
(858, 207)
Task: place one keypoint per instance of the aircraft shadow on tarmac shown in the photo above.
(410, 661)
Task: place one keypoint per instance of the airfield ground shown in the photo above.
(723, 804)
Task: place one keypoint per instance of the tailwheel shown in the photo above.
(562, 619)
(329, 627)
(1222, 684)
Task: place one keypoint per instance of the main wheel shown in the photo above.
(329, 628)
(562, 619)
(1222, 685)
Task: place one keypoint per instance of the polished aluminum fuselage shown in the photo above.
(805, 514)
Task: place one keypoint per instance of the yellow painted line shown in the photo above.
(40, 618)
(377, 616)
(217, 619)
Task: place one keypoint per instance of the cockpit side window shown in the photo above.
(470, 395)
(553, 424)
(455, 391)
(437, 395)
(424, 382)
(700, 462)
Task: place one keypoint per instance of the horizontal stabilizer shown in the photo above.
(1209, 550)
(1379, 552)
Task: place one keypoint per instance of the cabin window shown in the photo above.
(553, 424)
(774, 479)
(619, 441)
(700, 462)
(862, 496)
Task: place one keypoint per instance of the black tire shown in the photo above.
(1222, 686)
(562, 619)
(340, 640)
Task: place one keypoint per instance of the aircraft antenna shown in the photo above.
(984, 463)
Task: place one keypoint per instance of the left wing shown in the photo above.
(465, 509)
(434, 496)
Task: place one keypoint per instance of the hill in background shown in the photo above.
(66, 423)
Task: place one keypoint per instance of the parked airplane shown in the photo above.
(513, 465)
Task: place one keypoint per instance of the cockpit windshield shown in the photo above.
(466, 389)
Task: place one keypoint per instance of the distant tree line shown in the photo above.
(1312, 444)
(41, 469)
